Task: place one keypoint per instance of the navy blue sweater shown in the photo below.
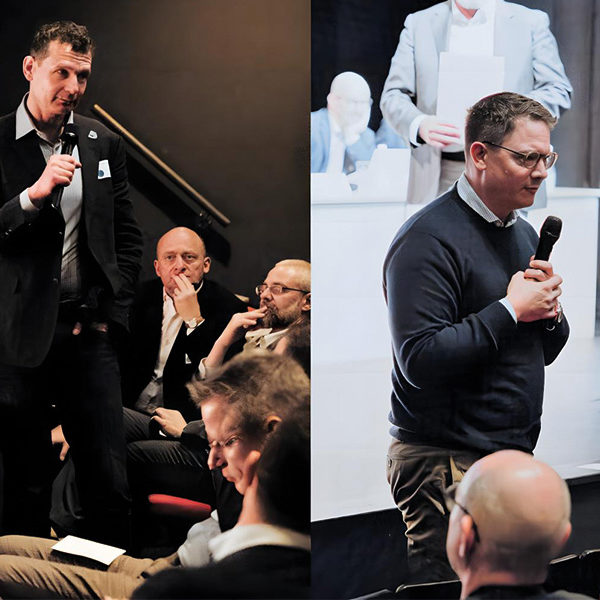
(465, 374)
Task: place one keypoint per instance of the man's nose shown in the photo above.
(72, 85)
(180, 264)
(540, 171)
(266, 293)
(215, 459)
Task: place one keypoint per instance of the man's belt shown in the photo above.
(454, 156)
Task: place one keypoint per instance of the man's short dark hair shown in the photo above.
(65, 32)
(492, 118)
(283, 472)
(258, 384)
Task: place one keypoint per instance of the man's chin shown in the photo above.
(271, 321)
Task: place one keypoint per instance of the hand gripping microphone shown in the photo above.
(549, 234)
(69, 141)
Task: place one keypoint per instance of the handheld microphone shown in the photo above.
(549, 234)
(69, 141)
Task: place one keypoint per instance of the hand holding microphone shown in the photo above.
(58, 172)
(534, 293)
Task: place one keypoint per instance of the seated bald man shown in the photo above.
(510, 515)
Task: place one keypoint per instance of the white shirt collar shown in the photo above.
(265, 337)
(24, 124)
(259, 534)
(470, 197)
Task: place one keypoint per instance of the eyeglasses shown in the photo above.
(450, 499)
(276, 289)
(531, 159)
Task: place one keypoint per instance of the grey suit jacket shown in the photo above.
(532, 67)
(110, 242)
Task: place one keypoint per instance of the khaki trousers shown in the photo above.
(417, 475)
(29, 568)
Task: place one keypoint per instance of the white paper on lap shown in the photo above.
(80, 547)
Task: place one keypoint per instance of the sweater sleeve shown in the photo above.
(432, 342)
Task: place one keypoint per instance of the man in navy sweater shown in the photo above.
(474, 320)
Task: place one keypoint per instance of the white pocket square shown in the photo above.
(92, 135)
(103, 169)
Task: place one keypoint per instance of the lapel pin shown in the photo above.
(92, 135)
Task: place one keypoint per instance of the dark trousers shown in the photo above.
(417, 475)
(162, 465)
(166, 466)
(81, 376)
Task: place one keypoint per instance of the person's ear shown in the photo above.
(272, 422)
(156, 268)
(566, 533)
(206, 266)
(466, 543)
(249, 468)
(305, 306)
(479, 154)
(28, 65)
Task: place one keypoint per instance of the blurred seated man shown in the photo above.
(266, 555)
(339, 134)
(242, 404)
(176, 319)
(509, 517)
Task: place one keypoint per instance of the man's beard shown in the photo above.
(273, 320)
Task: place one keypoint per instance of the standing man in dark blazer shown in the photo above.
(68, 273)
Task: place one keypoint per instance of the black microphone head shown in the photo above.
(69, 138)
(549, 234)
(552, 226)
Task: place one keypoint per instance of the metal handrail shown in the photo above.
(160, 164)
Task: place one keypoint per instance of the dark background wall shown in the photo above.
(362, 35)
(220, 91)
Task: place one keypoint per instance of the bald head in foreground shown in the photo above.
(510, 516)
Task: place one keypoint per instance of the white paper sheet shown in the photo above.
(462, 81)
(471, 40)
(80, 547)
(591, 466)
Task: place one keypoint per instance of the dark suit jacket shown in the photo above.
(258, 572)
(216, 305)
(31, 248)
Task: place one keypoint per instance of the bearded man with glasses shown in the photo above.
(474, 320)
(284, 299)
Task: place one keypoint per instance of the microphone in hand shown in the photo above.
(68, 140)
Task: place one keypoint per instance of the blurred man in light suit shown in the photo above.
(532, 67)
